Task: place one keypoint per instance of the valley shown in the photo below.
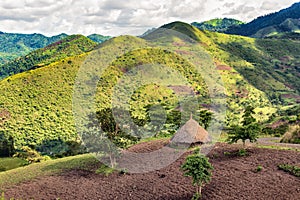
(75, 109)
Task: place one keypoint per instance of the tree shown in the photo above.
(249, 129)
(105, 136)
(6, 145)
(205, 118)
(198, 167)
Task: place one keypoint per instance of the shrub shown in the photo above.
(32, 156)
(6, 146)
(198, 167)
(293, 170)
(259, 168)
(292, 135)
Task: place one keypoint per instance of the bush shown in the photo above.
(198, 167)
(293, 170)
(32, 156)
(59, 148)
(259, 168)
(6, 146)
(292, 135)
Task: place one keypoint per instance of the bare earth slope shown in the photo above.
(234, 178)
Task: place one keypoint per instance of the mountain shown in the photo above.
(36, 105)
(260, 72)
(13, 45)
(291, 36)
(286, 20)
(98, 38)
(218, 25)
(67, 47)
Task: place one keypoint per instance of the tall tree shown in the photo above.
(248, 130)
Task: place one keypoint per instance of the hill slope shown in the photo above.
(218, 25)
(286, 20)
(15, 45)
(38, 102)
(98, 38)
(255, 71)
(70, 46)
(36, 105)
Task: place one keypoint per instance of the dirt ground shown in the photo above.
(234, 177)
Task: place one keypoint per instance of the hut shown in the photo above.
(190, 134)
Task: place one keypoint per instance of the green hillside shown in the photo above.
(217, 25)
(284, 21)
(36, 105)
(70, 46)
(98, 38)
(13, 45)
(260, 72)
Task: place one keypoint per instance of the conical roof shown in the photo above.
(191, 133)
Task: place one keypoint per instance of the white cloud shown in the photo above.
(114, 17)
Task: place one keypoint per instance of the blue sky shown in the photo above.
(115, 17)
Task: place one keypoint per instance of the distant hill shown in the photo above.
(254, 71)
(286, 20)
(13, 45)
(218, 25)
(36, 105)
(291, 36)
(67, 47)
(98, 38)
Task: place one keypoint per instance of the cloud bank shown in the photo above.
(115, 17)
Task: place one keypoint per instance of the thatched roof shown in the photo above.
(191, 133)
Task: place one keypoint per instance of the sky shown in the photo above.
(120, 17)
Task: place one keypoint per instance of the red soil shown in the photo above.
(234, 177)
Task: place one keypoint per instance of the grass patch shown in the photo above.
(105, 170)
(259, 168)
(27, 173)
(11, 163)
(293, 170)
(277, 147)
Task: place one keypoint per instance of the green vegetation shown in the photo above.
(36, 105)
(11, 163)
(282, 21)
(98, 38)
(198, 167)
(30, 155)
(293, 170)
(291, 36)
(103, 169)
(70, 46)
(14, 45)
(248, 130)
(51, 167)
(292, 135)
(218, 25)
(280, 25)
(259, 168)
(247, 69)
(277, 147)
(6, 145)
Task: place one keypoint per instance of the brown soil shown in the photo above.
(234, 177)
(224, 68)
